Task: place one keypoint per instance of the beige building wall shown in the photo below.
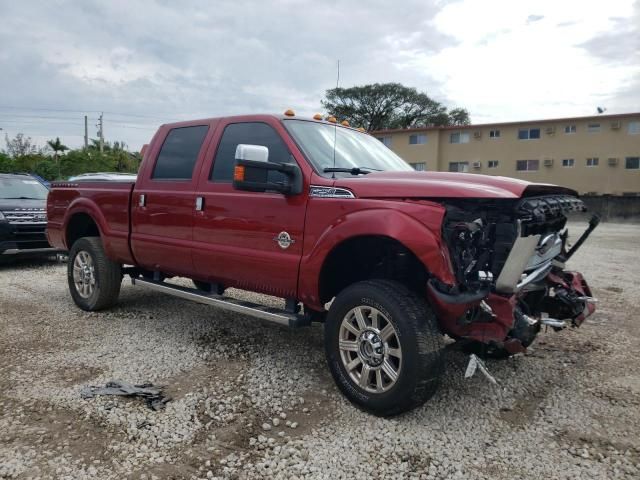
(617, 138)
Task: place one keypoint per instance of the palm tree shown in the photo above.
(57, 146)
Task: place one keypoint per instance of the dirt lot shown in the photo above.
(568, 409)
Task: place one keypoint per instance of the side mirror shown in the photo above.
(251, 172)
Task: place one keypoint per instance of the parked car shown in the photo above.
(104, 176)
(23, 218)
(329, 219)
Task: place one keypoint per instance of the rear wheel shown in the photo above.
(94, 279)
(383, 347)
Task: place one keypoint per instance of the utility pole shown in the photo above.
(101, 132)
(86, 132)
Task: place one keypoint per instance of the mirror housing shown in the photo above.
(251, 172)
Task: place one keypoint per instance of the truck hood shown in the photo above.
(444, 185)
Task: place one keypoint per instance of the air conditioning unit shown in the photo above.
(548, 162)
(477, 134)
(477, 164)
(550, 130)
(613, 162)
(616, 125)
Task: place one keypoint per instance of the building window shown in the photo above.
(417, 139)
(570, 129)
(527, 165)
(593, 162)
(459, 137)
(632, 163)
(567, 162)
(633, 128)
(494, 134)
(459, 166)
(386, 141)
(419, 167)
(492, 164)
(528, 133)
(593, 127)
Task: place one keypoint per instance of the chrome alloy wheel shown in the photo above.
(84, 275)
(370, 349)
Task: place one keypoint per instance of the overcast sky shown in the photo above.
(148, 62)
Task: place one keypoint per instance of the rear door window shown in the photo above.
(250, 133)
(179, 153)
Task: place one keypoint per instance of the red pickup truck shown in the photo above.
(332, 221)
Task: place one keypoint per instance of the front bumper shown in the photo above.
(24, 239)
(531, 290)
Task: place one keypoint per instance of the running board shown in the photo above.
(263, 312)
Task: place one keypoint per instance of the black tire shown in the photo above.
(416, 334)
(107, 275)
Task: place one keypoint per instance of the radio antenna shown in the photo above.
(335, 126)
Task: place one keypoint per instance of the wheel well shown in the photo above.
(369, 257)
(81, 225)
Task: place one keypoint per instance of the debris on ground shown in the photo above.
(152, 394)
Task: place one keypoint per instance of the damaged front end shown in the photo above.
(509, 258)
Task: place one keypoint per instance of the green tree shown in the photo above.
(58, 147)
(389, 105)
(459, 116)
(7, 165)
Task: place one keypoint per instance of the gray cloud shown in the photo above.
(620, 47)
(171, 60)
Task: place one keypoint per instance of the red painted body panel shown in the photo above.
(234, 235)
(331, 221)
(443, 185)
(107, 204)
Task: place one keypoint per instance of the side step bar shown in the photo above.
(263, 312)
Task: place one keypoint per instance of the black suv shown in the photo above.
(23, 218)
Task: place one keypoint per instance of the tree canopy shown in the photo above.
(22, 155)
(380, 106)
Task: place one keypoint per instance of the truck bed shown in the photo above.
(109, 203)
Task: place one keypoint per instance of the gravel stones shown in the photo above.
(570, 409)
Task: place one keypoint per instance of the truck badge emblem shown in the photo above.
(284, 240)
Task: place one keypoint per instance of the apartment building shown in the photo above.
(597, 155)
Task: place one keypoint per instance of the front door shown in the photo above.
(249, 240)
(163, 203)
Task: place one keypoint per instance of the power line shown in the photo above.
(123, 114)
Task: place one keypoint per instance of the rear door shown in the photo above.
(163, 202)
(251, 240)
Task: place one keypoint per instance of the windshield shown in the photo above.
(353, 149)
(27, 188)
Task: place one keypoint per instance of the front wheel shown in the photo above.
(383, 347)
(94, 279)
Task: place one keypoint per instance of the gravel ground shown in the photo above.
(255, 400)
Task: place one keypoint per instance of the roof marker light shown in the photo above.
(290, 113)
(361, 129)
(332, 119)
(317, 116)
(344, 123)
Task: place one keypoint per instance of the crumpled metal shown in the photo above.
(152, 394)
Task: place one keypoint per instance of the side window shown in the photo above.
(179, 153)
(253, 133)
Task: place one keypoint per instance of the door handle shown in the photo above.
(142, 200)
(199, 204)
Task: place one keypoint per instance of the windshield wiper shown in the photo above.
(352, 171)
